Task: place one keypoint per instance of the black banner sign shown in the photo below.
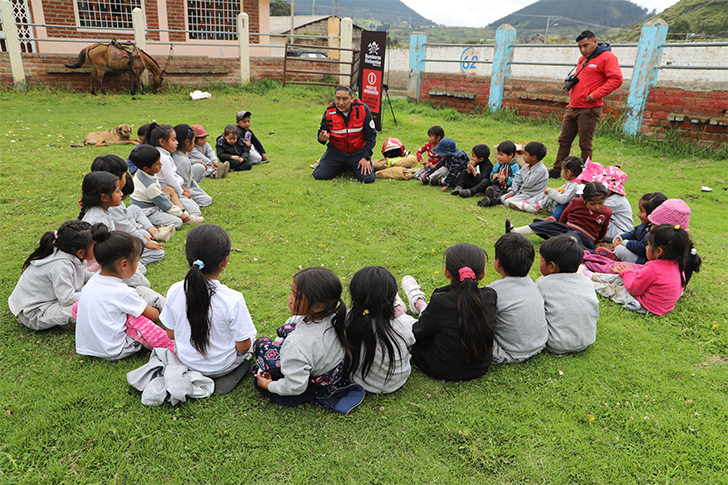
(371, 63)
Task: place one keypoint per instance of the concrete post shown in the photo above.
(644, 75)
(345, 38)
(244, 47)
(139, 22)
(13, 45)
(505, 38)
(416, 65)
(333, 30)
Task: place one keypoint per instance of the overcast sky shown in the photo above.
(479, 13)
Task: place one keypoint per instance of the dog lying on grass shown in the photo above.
(121, 135)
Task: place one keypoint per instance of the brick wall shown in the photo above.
(49, 70)
(62, 12)
(701, 116)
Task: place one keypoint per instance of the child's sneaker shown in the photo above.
(165, 233)
(425, 180)
(465, 193)
(490, 193)
(509, 226)
(514, 204)
(485, 202)
(413, 292)
(456, 191)
(194, 219)
(606, 253)
(222, 170)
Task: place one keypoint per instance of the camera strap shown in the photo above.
(582, 66)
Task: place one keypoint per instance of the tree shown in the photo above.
(280, 8)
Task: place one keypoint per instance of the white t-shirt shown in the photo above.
(230, 322)
(103, 307)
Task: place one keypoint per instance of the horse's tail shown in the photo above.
(80, 61)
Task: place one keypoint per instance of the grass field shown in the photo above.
(645, 404)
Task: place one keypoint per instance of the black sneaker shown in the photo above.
(490, 192)
(484, 202)
(509, 226)
(425, 180)
(466, 193)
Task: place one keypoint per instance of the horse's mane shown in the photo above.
(153, 59)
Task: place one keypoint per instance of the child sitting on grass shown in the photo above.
(631, 246)
(454, 334)
(453, 162)
(657, 285)
(551, 197)
(231, 148)
(204, 153)
(520, 322)
(476, 178)
(256, 152)
(161, 206)
(191, 173)
(532, 178)
(434, 135)
(572, 321)
(502, 174)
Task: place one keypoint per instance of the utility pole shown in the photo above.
(313, 10)
(293, 24)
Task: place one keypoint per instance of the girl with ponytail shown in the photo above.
(454, 335)
(309, 361)
(52, 278)
(209, 322)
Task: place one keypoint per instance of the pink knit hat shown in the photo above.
(672, 211)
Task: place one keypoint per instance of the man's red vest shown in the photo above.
(347, 139)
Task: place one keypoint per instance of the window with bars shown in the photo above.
(213, 19)
(106, 13)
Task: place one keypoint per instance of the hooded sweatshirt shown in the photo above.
(601, 76)
(56, 278)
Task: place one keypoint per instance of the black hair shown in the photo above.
(144, 156)
(344, 88)
(482, 151)
(142, 130)
(184, 133)
(507, 147)
(320, 286)
(594, 191)
(156, 132)
(675, 244)
(113, 246)
(573, 164)
(206, 248)
(652, 201)
(230, 129)
(110, 163)
(515, 254)
(536, 149)
(476, 334)
(69, 238)
(587, 34)
(436, 131)
(563, 250)
(368, 323)
(128, 187)
(94, 185)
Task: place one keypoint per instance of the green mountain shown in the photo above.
(690, 20)
(573, 16)
(381, 11)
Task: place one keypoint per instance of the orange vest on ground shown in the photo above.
(347, 138)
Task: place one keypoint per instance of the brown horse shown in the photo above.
(100, 56)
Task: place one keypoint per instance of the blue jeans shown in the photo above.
(334, 162)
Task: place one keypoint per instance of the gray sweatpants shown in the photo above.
(48, 316)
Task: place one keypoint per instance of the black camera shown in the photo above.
(570, 82)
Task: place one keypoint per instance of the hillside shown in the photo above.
(573, 16)
(381, 11)
(690, 19)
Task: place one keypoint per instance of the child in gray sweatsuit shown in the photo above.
(572, 320)
(532, 178)
(520, 323)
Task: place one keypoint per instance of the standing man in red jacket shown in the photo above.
(348, 128)
(598, 74)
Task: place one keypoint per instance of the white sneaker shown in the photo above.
(222, 170)
(516, 205)
(398, 302)
(413, 292)
(165, 233)
(532, 208)
(194, 219)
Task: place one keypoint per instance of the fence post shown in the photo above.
(139, 22)
(244, 47)
(644, 75)
(416, 65)
(13, 45)
(505, 38)
(346, 32)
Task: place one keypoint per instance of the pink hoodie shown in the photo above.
(657, 286)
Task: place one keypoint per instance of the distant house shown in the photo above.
(308, 25)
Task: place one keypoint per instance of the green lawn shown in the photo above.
(645, 404)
